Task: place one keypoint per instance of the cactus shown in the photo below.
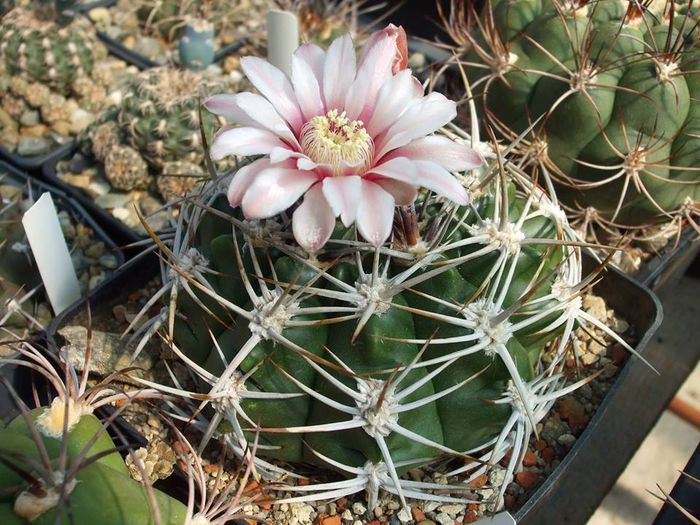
(59, 465)
(126, 170)
(166, 17)
(178, 179)
(160, 115)
(40, 50)
(196, 45)
(604, 92)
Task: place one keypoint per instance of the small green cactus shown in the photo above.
(126, 170)
(196, 45)
(604, 92)
(40, 50)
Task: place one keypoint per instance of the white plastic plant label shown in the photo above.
(51, 253)
(282, 38)
(502, 518)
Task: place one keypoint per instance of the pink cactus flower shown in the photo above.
(355, 139)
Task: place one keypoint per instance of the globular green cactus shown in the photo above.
(41, 50)
(126, 170)
(160, 115)
(605, 93)
(371, 361)
(166, 17)
(59, 465)
(196, 46)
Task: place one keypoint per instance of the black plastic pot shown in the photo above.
(129, 56)
(19, 376)
(35, 163)
(663, 271)
(578, 485)
(686, 493)
(119, 231)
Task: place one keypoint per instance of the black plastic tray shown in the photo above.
(19, 376)
(119, 231)
(140, 61)
(686, 493)
(35, 163)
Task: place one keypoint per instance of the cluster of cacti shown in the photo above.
(40, 50)
(605, 94)
(154, 131)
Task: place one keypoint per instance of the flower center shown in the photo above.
(335, 140)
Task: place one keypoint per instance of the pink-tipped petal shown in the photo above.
(404, 194)
(338, 71)
(373, 72)
(449, 154)
(422, 118)
(313, 221)
(226, 105)
(315, 57)
(274, 85)
(375, 214)
(399, 168)
(242, 180)
(306, 89)
(397, 36)
(438, 179)
(343, 194)
(274, 190)
(396, 95)
(244, 142)
(263, 114)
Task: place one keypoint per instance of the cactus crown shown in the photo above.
(625, 73)
(40, 50)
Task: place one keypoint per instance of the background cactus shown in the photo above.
(40, 50)
(614, 83)
(429, 346)
(196, 45)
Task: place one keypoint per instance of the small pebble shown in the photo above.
(34, 146)
(109, 261)
(566, 439)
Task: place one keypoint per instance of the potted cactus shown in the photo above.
(602, 94)
(369, 295)
(54, 77)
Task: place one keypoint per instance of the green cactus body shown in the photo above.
(373, 363)
(160, 115)
(101, 491)
(196, 46)
(44, 52)
(166, 17)
(615, 89)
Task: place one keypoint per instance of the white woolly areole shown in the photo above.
(482, 312)
(564, 293)
(269, 317)
(51, 421)
(508, 238)
(30, 506)
(188, 263)
(373, 295)
(378, 407)
(230, 395)
(200, 519)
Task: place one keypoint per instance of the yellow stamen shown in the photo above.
(336, 140)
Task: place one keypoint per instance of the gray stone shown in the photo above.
(96, 280)
(78, 260)
(30, 118)
(79, 163)
(113, 200)
(34, 146)
(59, 139)
(95, 250)
(147, 46)
(109, 261)
(109, 351)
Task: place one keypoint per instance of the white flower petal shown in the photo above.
(315, 57)
(313, 221)
(274, 85)
(422, 118)
(449, 154)
(375, 214)
(242, 180)
(306, 89)
(436, 178)
(343, 195)
(226, 106)
(404, 194)
(274, 190)
(243, 141)
(373, 72)
(338, 72)
(396, 95)
(398, 168)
